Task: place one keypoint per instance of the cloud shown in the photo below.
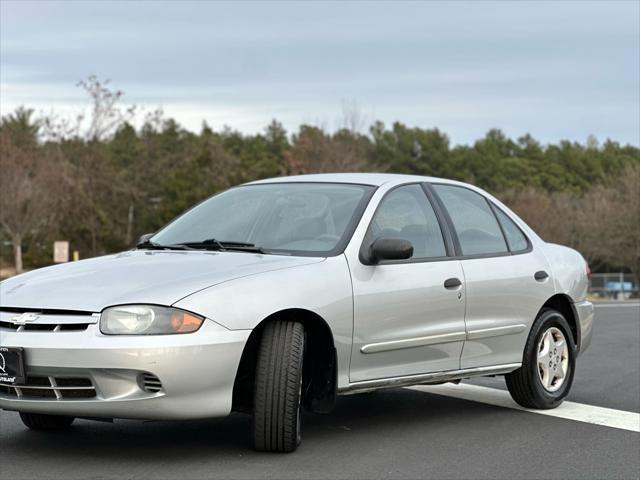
(552, 68)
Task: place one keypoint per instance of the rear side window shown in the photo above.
(406, 213)
(476, 225)
(515, 238)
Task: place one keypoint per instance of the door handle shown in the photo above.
(451, 283)
(541, 275)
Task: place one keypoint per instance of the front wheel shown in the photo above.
(546, 375)
(278, 387)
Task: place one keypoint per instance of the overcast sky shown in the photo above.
(558, 70)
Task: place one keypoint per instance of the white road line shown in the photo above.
(616, 305)
(579, 412)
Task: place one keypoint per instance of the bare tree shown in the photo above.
(603, 224)
(617, 220)
(353, 119)
(29, 189)
(549, 214)
(106, 114)
(314, 151)
(56, 128)
(104, 120)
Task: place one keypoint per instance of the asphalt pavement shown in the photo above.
(399, 433)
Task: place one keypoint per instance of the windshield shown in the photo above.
(295, 218)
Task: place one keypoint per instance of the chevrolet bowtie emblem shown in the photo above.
(25, 317)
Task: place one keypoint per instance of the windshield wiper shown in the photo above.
(149, 245)
(213, 244)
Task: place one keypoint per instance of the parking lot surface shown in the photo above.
(401, 433)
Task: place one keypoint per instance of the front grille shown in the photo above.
(44, 327)
(73, 382)
(59, 388)
(150, 383)
(72, 327)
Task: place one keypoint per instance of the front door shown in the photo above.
(406, 321)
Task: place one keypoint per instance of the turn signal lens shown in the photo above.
(183, 322)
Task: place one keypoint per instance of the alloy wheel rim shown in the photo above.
(553, 359)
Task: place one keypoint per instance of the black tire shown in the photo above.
(278, 386)
(38, 421)
(524, 384)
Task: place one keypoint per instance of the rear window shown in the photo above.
(475, 224)
(515, 238)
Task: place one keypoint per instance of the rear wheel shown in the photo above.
(38, 421)
(546, 375)
(278, 387)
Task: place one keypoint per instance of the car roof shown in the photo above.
(375, 179)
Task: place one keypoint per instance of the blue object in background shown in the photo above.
(619, 286)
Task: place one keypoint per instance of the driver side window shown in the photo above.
(406, 213)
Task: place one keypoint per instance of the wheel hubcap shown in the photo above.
(553, 359)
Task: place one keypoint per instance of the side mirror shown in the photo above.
(144, 238)
(389, 249)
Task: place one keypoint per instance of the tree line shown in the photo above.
(100, 182)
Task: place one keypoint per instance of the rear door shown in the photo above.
(406, 321)
(506, 279)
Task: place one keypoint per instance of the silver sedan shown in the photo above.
(282, 294)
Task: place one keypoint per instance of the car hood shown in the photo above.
(140, 276)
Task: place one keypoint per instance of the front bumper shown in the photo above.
(196, 372)
(585, 313)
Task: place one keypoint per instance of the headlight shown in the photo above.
(147, 320)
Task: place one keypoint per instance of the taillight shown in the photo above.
(588, 272)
